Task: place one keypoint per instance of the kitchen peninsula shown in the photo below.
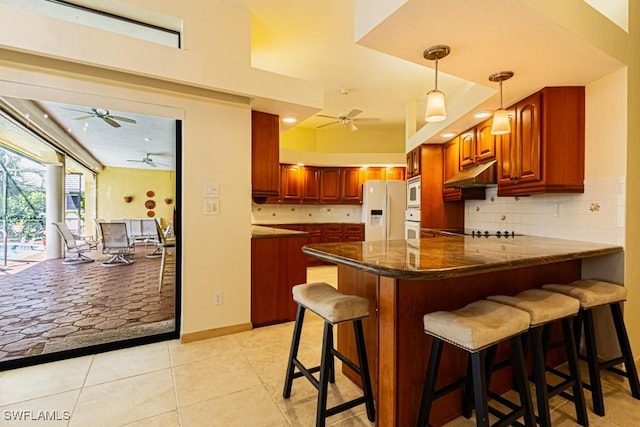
(404, 280)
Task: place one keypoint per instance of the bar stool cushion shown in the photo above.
(334, 307)
(543, 306)
(477, 325)
(591, 293)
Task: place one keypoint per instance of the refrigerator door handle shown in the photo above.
(387, 216)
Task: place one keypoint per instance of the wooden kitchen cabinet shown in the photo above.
(332, 233)
(277, 264)
(451, 167)
(291, 183)
(382, 174)
(414, 162)
(352, 232)
(485, 147)
(330, 185)
(311, 184)
(467, 142)
(351, 184)
(265, 155)
(395, 174)
(545, 151)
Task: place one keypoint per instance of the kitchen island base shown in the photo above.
(397, 346)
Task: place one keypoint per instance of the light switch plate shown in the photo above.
(210, 189)
(211, 206)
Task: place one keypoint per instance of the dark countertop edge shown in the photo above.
(263, 232)
(445, 273)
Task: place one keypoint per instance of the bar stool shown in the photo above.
(592, 294)
(475, 328)
(545, 307)
(333, 307)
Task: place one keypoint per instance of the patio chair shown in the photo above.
(74, 249)
(164, 244)
(116, 243)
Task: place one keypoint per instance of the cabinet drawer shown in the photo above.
(333, 228)
(353, 228)
(314, 229)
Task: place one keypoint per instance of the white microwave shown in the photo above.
(413, 193)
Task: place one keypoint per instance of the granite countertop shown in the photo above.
(261, 232)
(452, 256)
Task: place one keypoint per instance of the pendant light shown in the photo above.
(436, 109)
(500, 123)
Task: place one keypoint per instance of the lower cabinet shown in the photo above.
(277, 265)
(327, 233)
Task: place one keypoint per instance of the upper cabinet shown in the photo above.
(451, 162)
(414, 162)
(477, 145)
(544, 153)
(265, 155)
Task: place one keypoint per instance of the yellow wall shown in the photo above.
(115, 183)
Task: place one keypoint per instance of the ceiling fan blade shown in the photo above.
(111, 122)
(122, 119)
(83, 117)
(368, 120)
(353, 113)
(79, 111)
(328, 117)
(136, 161)
(327, 124)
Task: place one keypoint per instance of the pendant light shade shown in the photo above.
(436, 109)
(501, 124)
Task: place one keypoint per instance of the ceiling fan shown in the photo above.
(148, 161)
(104, 115)
(348, 118)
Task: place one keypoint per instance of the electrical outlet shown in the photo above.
(556, 209)
(217, 298)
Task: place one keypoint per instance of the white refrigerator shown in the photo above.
(383, 209)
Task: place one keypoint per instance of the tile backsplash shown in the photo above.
(597, 215)
(287, 214)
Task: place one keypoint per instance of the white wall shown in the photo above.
(598, 214)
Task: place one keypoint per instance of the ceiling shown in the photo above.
(385, 71)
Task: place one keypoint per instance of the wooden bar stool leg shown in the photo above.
(428, 391)
(364, 369)
(594, 365)
(542, 393)
(293, 352)
(520, 374)
(325, 366)
(574, 371)
(480, 388)
(623, 341)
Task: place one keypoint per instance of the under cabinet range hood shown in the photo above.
(482, 175)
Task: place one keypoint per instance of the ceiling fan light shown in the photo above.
(501, 124)
(352, 127)
(436, 110)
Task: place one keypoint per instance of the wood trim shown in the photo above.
(216, 332)
(387, 354)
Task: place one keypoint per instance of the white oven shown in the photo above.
(412, 224)
(413, 193)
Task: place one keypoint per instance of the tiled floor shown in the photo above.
(235, 380)
(50, 307)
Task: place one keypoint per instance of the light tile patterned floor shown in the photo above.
(234, 380)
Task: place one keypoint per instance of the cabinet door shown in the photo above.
(395, 173)
(311, 184)
(528, 139)
(371, 173)
(290, 182)
(485, 148)
(410, 165)
(467, 148)
(416, 161)
(332, 233)
(351, 185)
(265, 154)
(506, 153)
(330, 185)
(451, 167)
(353, 233)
